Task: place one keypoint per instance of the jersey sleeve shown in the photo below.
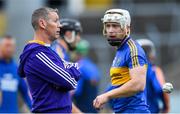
(135, 56)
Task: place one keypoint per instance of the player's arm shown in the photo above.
(161, 79)
(135, 85)
(166, 107)
(53, 71)
(24, 92)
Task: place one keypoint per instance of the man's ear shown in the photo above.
(128, 29)
(42, 23)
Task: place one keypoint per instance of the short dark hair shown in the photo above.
(7, 37)
(41, 13)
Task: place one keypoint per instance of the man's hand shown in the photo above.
(75, 109)
(100, 100)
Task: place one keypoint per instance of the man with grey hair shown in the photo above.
(48, 77)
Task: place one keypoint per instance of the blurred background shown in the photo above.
(157, 20)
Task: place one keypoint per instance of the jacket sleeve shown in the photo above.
(72, 68)
(49, 68)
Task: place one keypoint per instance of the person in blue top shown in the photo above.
(155, 80)
(129, 67)
(154, 90)
(10, 82)
(88, 84)
(49, 78)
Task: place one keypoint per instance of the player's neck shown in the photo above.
(6, 59)
(41, 37)
(63, 43)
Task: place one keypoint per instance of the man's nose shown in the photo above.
(59, 25)
(111, 29)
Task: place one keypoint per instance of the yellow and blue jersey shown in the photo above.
(129, 55)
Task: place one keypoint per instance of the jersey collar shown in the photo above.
(124, 41)
(39, 42)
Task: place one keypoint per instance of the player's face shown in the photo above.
(53, 26)
(113, 30)
(72, 38)
(8, 48)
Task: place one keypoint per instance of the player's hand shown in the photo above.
(99, 101)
